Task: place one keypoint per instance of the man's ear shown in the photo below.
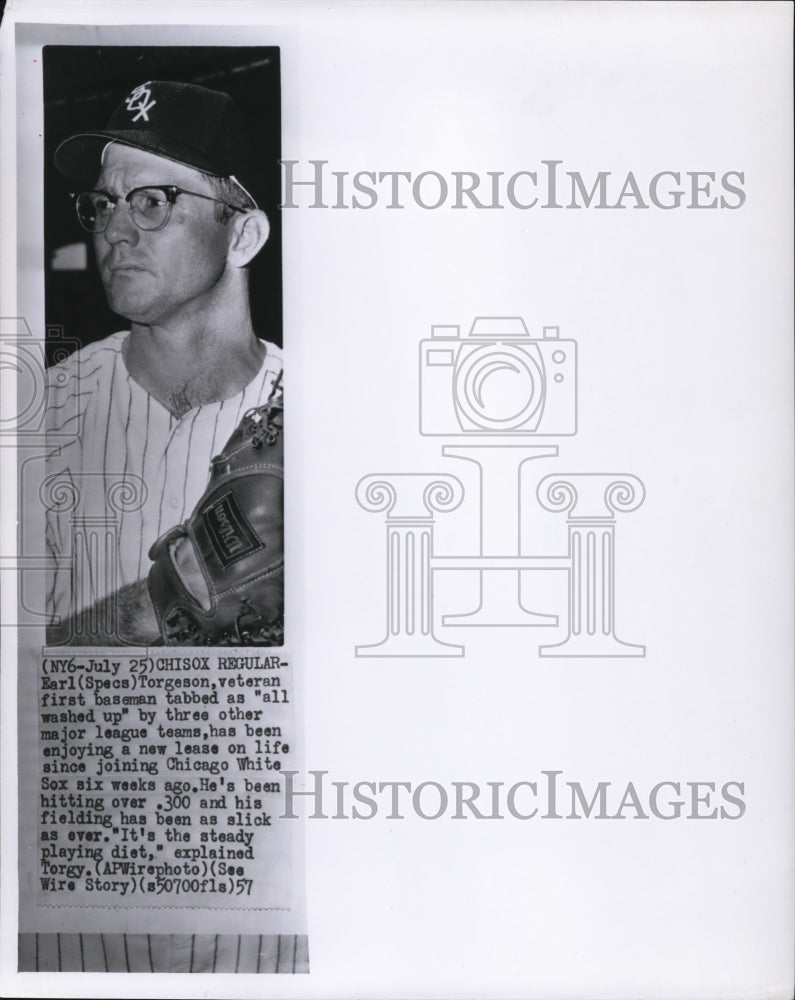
(249, 235)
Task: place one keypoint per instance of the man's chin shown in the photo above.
(130, 307)
(127, 291)
(129, 312)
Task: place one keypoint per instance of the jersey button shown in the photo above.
(174, 502)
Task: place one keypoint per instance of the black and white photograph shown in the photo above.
(157, 704)
(396, 508)
(169, 418)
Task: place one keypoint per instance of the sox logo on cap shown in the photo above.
(201, 128)
(139, 100)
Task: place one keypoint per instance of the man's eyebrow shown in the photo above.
(160, 183)
(105, 186)
(117, 192)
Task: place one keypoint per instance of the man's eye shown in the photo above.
(150, 201)
(101, 204)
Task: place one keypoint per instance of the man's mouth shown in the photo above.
(121, 271)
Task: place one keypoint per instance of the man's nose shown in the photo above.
(120, 227)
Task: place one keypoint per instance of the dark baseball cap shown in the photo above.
(193, 125)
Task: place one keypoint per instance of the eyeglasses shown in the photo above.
(150, 207)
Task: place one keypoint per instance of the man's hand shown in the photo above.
(124, 618)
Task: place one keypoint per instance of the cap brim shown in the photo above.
(80, 156)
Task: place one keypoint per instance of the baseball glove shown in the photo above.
(218, 579)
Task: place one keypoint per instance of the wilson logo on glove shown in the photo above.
(218, 579)
(229, 531)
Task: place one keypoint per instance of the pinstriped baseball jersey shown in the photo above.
(121, 460)
(124, 467)
(163, 953)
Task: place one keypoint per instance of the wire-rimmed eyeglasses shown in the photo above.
(150, 207)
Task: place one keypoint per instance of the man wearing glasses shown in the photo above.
(136, 418)
(174, 227)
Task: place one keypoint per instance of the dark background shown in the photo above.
(82, 87)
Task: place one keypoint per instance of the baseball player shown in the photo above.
(165, 481)
(139, 415)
